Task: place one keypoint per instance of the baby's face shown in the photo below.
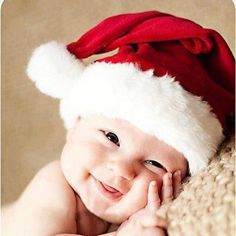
(110, 163)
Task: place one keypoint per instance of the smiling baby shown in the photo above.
(137, 123)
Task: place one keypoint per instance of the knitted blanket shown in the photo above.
(206, 205)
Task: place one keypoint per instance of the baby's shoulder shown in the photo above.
(47, 205)
(51, 174)
(51, 169)
(49, 187)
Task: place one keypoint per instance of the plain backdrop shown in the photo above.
(32, 132)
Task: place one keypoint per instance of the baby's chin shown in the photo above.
(114, 214)
(111, 214)
(112, 218)
(105, 213)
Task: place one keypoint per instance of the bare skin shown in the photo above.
(103, 184)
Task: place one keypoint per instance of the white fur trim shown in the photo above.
(159, 106)
(53, 69)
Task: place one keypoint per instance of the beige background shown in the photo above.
(32, 132)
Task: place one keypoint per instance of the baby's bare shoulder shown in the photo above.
(46, 207)
(49, 186)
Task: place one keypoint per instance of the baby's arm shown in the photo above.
(46, 207)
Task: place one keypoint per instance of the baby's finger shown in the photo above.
(153, 202)
(167, 188)
(177, 183)
(154, 221)
(162, 222)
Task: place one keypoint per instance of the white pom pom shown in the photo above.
(53, 69)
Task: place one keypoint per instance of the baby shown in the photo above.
(101, 180)
(136, 125)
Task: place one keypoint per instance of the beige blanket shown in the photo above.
(206, 206)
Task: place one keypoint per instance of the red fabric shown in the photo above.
(198, 58)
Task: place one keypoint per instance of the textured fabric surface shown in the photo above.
(206, 206)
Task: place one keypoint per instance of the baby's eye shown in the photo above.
(112, 137)
(154, 163)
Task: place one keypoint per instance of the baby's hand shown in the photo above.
(146, 222)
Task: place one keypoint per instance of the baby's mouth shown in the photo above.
(107, 190)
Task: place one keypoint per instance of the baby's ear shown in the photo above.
(69, 134)
(70, 131)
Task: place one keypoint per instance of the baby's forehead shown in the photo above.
(127, 131)
(97, 118)
(111, 122)
(118, 123)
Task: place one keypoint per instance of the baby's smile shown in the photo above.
(108, 191)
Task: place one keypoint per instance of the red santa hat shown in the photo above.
(170, 77)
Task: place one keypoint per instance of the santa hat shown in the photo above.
(170, 77)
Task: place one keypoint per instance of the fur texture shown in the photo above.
(159, 106)
(54, 69)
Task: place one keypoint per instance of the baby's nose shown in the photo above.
(122, 168)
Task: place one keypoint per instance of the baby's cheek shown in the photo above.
(146, 178)
(77, 161)
(71, 166)
(72, 157)
(140, 188)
